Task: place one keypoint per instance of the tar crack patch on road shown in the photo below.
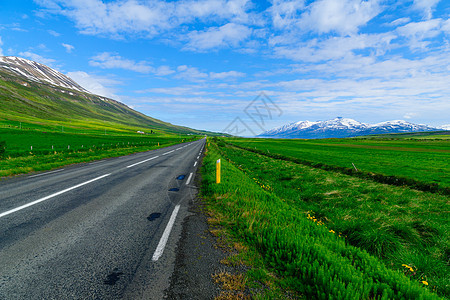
(154, 216)
(113, 277)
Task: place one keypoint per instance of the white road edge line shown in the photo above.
(163, 241)
(50, 196)
(189, 179)
(45, 173)
(195, 164)
(141, 162)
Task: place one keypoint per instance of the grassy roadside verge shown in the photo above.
(309, 258)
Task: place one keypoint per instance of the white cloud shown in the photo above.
(42, 47)
(400, 21)
(409, 115)
(343, 17)
(95, 84)
(446, 26)
(186, 11)
(178, 91)
(37, 58)
(113, 18)
(54, 33)
(108, 60)
(224, 75)
(163, 71)
(1, 44)
(228, 35)
(116, 18)
(426, 7)
(190, 74)
(391, 88)
(195, 75)
(418, 32)
(69, 48)
(333, 48)
(286, 13)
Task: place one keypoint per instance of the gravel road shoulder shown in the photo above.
(198, 258)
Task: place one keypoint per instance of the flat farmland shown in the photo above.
(28, 150)
(424, 160)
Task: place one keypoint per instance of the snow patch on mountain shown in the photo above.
(37, 72)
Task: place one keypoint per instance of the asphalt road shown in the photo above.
(104, 230)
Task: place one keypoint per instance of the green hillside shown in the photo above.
(51, 107)
(45, 126)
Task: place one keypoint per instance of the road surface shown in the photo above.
(102, 230)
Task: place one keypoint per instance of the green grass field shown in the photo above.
(19, 142)
(423, 160)
(35, 149)
(331, 235)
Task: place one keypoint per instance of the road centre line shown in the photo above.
(189, 179)
(163, 241)
(168, 152)
(51, 196)
(141, 162)
(45, 173)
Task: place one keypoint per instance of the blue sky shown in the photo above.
(202, 63)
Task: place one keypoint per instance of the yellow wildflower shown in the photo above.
(424, 282)
(408, 267)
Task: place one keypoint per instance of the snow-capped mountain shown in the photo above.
(341, 127)
(444, 127)
(37, 72)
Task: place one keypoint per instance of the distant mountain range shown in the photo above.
(343, 127)
(36, 93)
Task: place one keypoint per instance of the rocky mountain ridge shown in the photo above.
(38, 72)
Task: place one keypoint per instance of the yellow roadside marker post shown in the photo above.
(218, 171)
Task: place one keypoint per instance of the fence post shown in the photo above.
(218, 171)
